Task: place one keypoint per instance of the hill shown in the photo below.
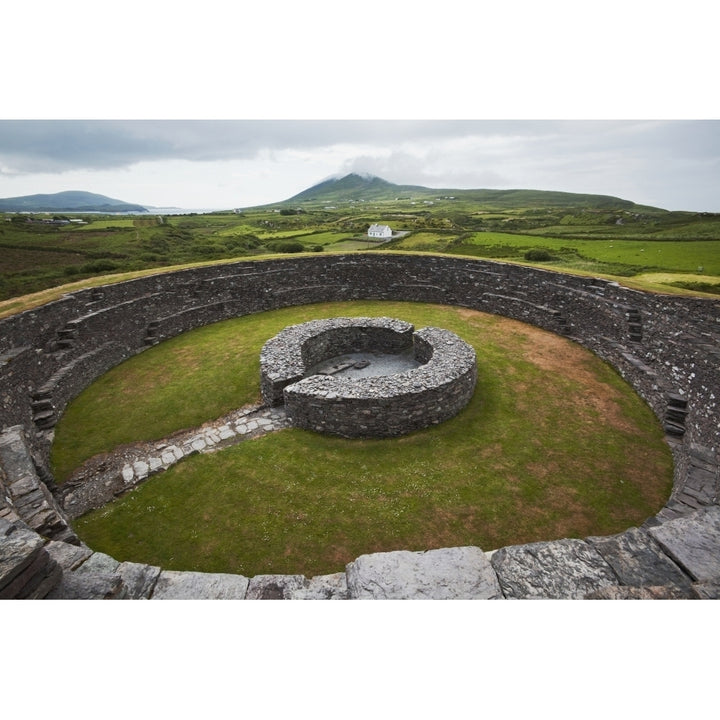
(359, 188)
(69, 201)
(356, 187)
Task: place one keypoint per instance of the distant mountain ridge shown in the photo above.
(369, 187)
(68, 201)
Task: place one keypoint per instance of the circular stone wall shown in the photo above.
(380, 406)
(667, 347)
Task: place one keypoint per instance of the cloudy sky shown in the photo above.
(238, 163)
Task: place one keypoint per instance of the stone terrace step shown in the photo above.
(27, 495)
(27, 571)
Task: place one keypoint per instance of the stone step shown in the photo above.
(675, 429)
(27, 572)
(675, 400)
(42, 405)
(45, 420)
(676, 415)
(28, 495)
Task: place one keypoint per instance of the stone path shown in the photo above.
(104, 477)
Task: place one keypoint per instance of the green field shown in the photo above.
(625, 241)
(105, 223)
(632, 257)
(509, 468)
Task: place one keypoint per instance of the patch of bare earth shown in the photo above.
(554, 354)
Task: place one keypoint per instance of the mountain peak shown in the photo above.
(353, 186)
(363, 187)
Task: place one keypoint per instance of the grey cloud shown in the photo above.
(60, 145)
(668, 163)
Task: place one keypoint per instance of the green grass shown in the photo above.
(542, 451)
(614, 256)
(583, 238)
(325, 238)
(351, 246)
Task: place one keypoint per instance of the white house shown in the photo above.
(380, 231)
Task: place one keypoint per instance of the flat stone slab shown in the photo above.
(638, 560)
(18, 548)
(323, 587)
(562, 569)
(178, 585)
(693, 541)
(461, 573)
(622, 592)
(26, 569)
(709, 590)
(274, 587)
(139, 579)
(69, 557)
(99, 563)
(90, 586)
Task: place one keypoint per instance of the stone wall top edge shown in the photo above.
(386, 387)
(171, 276)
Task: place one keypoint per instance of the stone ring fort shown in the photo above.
(666, 347)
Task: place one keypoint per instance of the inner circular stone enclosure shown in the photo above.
(388, 405)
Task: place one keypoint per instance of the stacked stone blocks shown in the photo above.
(666, 347)
(381, 406)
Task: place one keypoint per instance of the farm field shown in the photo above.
(621, 244)
(507, 469)
(624, 256)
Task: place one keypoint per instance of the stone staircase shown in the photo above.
(24, 495)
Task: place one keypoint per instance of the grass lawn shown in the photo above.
(352, 246)
(553, 444)
(616, 256)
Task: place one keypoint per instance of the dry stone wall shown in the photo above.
(286, 358)
(379, 406)
(666, 347)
